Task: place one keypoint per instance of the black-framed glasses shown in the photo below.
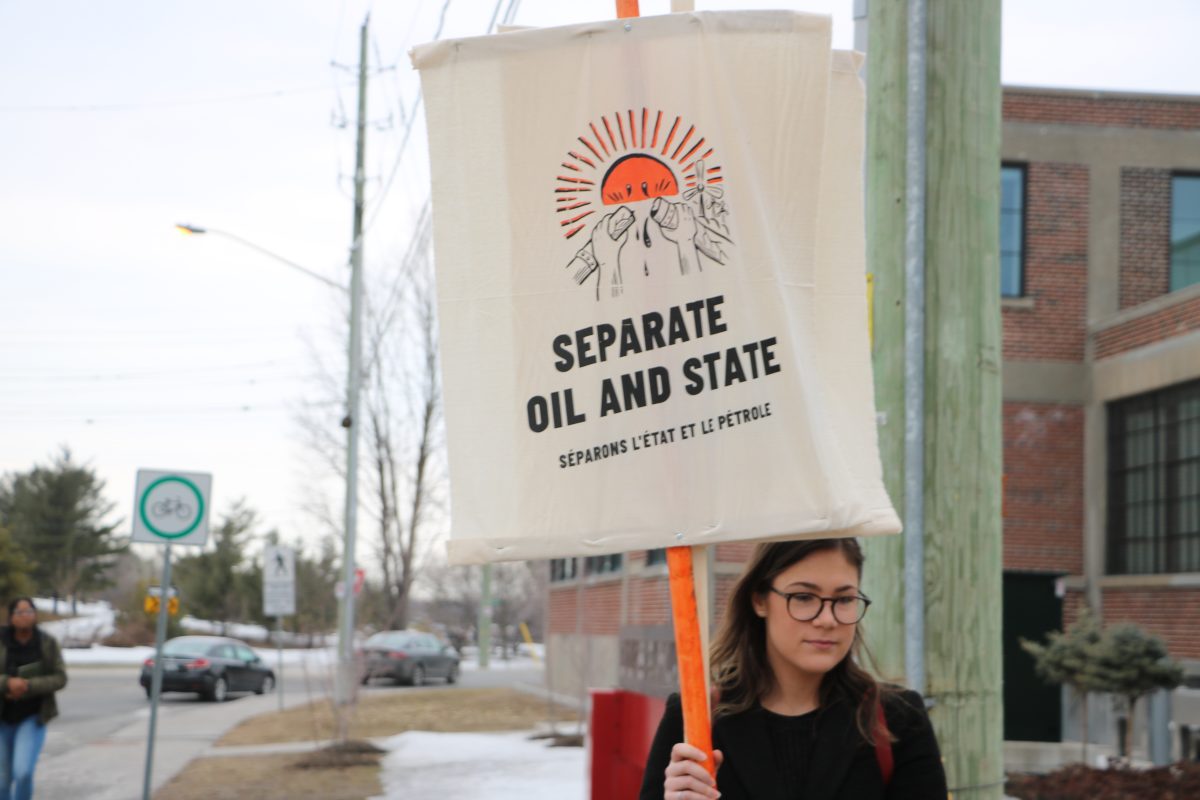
(806, 606)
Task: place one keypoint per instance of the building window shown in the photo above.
(1185, 231)
(1012, 230)
(1154, 482)
(656, 556)
(597, 565)
(563, 569)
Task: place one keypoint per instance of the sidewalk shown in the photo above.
(113, 768)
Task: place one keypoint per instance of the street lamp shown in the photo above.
(345, 668)
(196, 230)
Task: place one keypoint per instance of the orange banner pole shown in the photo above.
(689, 653)
(689, 647)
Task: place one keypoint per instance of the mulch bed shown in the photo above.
(1179, 781)
(350, 753)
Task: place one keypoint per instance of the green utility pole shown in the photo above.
(884, 570)
(961, 484)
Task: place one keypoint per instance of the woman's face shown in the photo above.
(817, 646)
(23, 616)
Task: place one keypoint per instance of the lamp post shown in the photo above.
(345, 668)
(345, 682)
(196, 230)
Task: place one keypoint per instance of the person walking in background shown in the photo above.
(33, 672)
(796, 716)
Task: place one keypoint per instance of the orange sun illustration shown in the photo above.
(640, 168)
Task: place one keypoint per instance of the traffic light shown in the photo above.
(173, 606)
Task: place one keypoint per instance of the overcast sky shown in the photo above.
(138, 347)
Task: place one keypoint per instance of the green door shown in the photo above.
(1032, 707)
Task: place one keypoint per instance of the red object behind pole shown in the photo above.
(689, 653)
(621, 727)
(627, 8)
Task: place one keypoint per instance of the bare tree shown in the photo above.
(403, 474)
(518, 595)
(405, 448)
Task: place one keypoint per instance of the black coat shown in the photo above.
(843, 766)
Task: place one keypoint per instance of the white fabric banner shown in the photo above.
(650, 264)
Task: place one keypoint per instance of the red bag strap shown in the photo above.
(883, 746)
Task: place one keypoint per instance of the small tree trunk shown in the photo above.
(1083, 734)
(1129, 729)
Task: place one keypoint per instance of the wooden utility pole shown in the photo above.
(884, 572)
(962, 406)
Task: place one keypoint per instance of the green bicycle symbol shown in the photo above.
(167, 507)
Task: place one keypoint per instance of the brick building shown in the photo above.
(1100, 258)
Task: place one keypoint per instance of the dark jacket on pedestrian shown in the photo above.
(46, 674)
(819, 756)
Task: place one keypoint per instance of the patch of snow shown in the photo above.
(496, 663)
(317, 659)
(466, 766)
(238, 630)
(94, 621)
(99, 654)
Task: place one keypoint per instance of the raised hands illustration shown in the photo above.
(709, 200)
(602, 253)
(679, 224)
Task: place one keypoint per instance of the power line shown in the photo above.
(132, 106)
(411, 118)
(146, 339)
(125, 379)
(511, 13)
(159, 411)
(184, 370)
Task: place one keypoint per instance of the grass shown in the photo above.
(276, 776)
(440, 710)
(327, 775)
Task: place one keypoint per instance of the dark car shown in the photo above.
(408, 657)
(212, 666)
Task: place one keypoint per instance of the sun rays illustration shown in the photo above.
(627, 157)
(647, 178)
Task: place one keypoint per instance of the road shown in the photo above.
(96, 747)
(97, 702)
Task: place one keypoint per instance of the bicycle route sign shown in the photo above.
(171, 507)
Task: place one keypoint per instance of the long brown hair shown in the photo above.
(741, 674)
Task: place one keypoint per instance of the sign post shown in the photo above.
(168, 508)
(279, 598)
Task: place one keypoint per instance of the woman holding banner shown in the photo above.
(796, 716)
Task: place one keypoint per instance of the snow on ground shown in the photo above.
(79, 635)
(93, 622)
(114, 656)
(519, 661)
(237, 630)
(252, 633)
(466, 766)
(317, 658)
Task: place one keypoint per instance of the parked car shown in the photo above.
(408, 657)
(212, 666)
